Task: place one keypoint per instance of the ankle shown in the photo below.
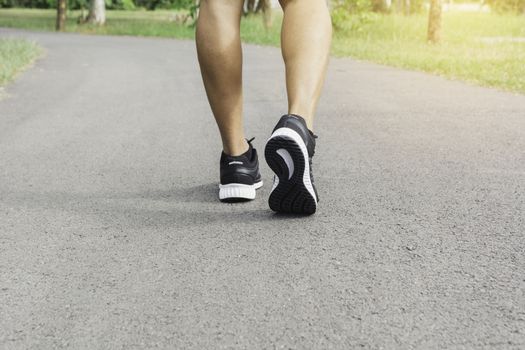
(307, 116)
(308, 121)
(236, 148)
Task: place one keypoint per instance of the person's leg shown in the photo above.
(305, 40)
(220, 58)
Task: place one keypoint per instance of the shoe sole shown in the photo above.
(287, 156)
(238, 192)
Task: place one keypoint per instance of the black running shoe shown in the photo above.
(240, 176)
(289, 153)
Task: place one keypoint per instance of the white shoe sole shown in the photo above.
(238, 191)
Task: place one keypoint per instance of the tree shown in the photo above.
(97, 12)
(250, 6)
(517, 6)
(61, 15)
(434, 21)
(264, 6)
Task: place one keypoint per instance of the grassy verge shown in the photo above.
(477, 47)
(15, 55)
(138, 23)
(157, 23)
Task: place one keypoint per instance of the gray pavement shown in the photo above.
(112, 237)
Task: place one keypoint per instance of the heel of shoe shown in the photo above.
(293, 191)
(238, 192)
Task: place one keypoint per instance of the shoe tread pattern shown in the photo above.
(290, 195)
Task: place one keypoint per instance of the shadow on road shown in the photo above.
(179, 207)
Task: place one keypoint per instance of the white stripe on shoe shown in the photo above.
(241, 191)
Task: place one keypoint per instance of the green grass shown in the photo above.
(388, 39)
(15, 55)
(138, 23)
(464, 53)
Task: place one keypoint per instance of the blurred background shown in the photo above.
(482, 42)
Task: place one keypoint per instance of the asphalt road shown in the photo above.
(112, 236)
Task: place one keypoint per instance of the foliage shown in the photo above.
(26, 3)
(408, 7)
(346, 22)
(351, 15)
(502, 6)
(194, 12)
(352, 6)
(354, 15)
(164, 4)
(416, 6)
(127, 5)
(464, 53)
(110, 4)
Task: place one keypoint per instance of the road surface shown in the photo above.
(112, 236)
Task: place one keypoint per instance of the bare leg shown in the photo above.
(220, 57)
(305, 40)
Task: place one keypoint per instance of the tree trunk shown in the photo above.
(250, 6)
(266, 7)
(399, 6)
(406, 7)
(61, 15)
(97, 12)
(267, 13)
(434, 21)
(260, 6)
